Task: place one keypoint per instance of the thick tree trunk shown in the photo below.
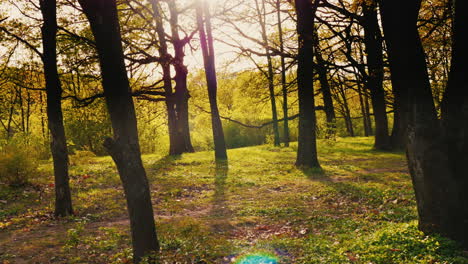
(206, 41)
(181, 91)
(307, 145)
(175, 140)
(58, 143)
(374, 51)
(124, 147)
(400, 120)
(455, 125)
(437, 152)
(284, 88)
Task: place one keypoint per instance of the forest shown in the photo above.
(244, 131)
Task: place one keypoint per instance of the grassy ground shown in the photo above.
(359, 209)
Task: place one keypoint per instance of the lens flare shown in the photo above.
(259, 258)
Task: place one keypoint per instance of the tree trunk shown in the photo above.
(368, 114)
(181, 92)
(400, 122)
(347, 115)
(124, 147)
(175, 141)
(41, 109)
(58, 143)
(364, 113)
(373, 43)
(206, 41)
(455, 130)
(326, 92)
(270, 75)
(436, 151)
(284, 87)
(307, 145)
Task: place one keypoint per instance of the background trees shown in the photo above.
(328, 68)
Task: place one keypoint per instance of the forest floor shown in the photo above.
(359, 208)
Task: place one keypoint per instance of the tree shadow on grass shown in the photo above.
(220, 210)
(317, 174)
(163, 164)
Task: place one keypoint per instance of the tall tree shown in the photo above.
(175, 140)
(181, 91)
(284, 86)
(58, 142)
(307, 145)
(206, 41)
(375, 67)
(124, 147)
(261, 13)
(436, 149)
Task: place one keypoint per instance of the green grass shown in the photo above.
(359, 208)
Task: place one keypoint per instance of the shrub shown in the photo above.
(18, 163)
(81, 157)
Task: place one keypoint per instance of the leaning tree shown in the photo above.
(124, 148)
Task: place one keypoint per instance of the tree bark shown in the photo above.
(400, 120)
(455, 131)
(307, 145)
(374, 51)
(436, 150)
(284, 89)
(206, 41)
(124, 147)
(58, 143)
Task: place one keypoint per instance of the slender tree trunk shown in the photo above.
(436, 151)
(374, 51)
(368, 114)
(28, 112)
(175, 142)
(363, 112)
(206, 41)
(307, 145)
(284, 87)
(58, 144)
(10, 132)
(270, 75)
(181, 91)
(326, 93)
(124, 147)
(347, 116)
(42, 117)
